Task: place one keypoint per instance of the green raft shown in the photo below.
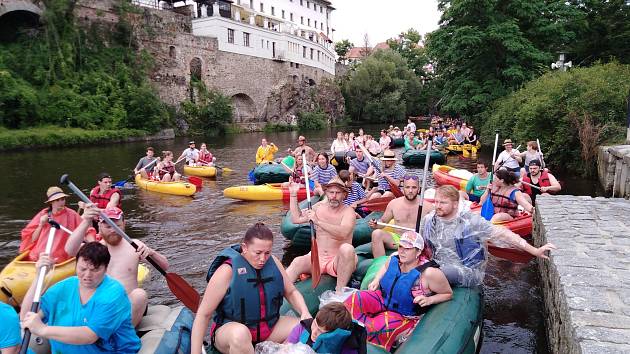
(450, 327)
(300, 234)
(270, 173)
(416, 157)
(397, 143)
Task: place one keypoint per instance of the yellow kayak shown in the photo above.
(465, 148)
(270, 191)
(175, 188)
(17, 276)
(201, 171)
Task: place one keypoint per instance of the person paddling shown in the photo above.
(205, 156)
(539, 181)
(310, 153)
(104, 195)
(144, 163)
(265, 152)
(165, 169)
(246, 284)
(191, 154)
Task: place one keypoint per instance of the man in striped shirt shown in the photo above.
(390, 172)
(356, 194)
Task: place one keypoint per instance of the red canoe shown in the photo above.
(442, 177)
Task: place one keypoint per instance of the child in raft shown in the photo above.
(331, 331)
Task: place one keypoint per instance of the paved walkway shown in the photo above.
(586, 285)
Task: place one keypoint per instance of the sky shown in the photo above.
(382, 19)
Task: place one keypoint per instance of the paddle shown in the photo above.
(424, 184)
(393, 188)
(377, 204)
(122, 183)
(54, 226)
(180, 288)
(542, 162)
(316, 272)
(395, 226)
(529, 184)
(487, 209)
(196, 181)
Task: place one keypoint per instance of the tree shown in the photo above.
(409, 46)
(342, 48)
(381, 89)
(366, 50)
(485, 49)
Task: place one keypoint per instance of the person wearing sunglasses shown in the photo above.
(403, 210)
(35, 234)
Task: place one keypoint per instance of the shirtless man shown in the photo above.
(404, 211)
(334, 223)
(124, 259)
(310, 153)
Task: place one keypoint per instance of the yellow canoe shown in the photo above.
(17, 276)
(175, 188)
(200, 171)
(465, 148)
(270, 191)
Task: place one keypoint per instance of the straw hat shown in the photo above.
(336, 182)
(507, 141)
(389, 156)
(54, 193)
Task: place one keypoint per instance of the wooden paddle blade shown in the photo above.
(395, 190)
(377, 204)
(510, 254)
(316, 272)
(183, 291)
(198, 182)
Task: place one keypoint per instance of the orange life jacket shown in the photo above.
(504, 203)
(101, 200)
(543, 181)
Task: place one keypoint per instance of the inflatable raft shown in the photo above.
(464, 148)
(397, 143)
(174, 188)
(447, 175)
(268, 191)
(270, 173)
(417, 157)
(17, 276)
(200, 171)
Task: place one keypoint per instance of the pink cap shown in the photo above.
(113, 213)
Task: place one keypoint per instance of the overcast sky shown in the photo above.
(382, 19)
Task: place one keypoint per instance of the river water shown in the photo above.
(190, 231)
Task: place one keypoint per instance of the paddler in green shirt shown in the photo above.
(478, 182)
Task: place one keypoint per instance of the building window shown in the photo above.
(291, 16)
(309, 22)
(301, 2)
(321, 25)
(262, 43)
(230, 35)
(172, 53)
(291, 64)
(251, 4)
(318, 55)
(304, 51)
(283, 14)
(246, 39)
(302, 19)
(315, 23)
(321, 10)
(297, 66)
(308, 4)
(312, 53)
(273, 11)
(262, 7)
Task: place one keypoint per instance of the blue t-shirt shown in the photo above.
(361, 166)
(323, 175)
(356, 193)
(107, 313)
(10, 335)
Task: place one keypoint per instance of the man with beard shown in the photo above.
(458, 239)
(124, 259)
(334, 223)
(310, 153)
(403, 210)
(543, 181)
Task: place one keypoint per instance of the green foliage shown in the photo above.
(485, 49)
(559, 107)
(381, 89)
(342, 48)
(210, 113)
(409, 47)
(83, 77)
(51, 136)
(279, 127)
(312, 120)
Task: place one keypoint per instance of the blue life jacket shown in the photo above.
(396, 288)
(469, 250)
(334, 342)
(242, 301)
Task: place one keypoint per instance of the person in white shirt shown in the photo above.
(509, 158)
(384, 140)
(191, 154)
(411, 126)
(339, 145)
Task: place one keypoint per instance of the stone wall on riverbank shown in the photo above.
(613, 169)
(586, 283)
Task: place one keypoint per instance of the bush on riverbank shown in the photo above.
(209, 113)
(313, 120)
(52, 136)
(570, 112)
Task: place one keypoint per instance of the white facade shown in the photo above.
(273, 29)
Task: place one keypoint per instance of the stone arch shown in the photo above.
(244, 108)
(172, 52)
(17, 15)
(311, 82)
(196, 68)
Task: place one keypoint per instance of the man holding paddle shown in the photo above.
(125, 259)
(104, 195)
(391, 173)
(334, 223)
(145, 162)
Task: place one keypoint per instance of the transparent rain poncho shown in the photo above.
(459, 246)
(269, 347)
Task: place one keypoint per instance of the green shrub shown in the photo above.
(312, 120)
(558, 107)
(209, 114)
(279, 127)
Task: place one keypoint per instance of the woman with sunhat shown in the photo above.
(35, 234)
(407, 285)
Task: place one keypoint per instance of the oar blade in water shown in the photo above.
(487, 209)
(183, 291)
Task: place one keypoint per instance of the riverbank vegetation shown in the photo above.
(68, 76)
(489, 64)
(54, 136)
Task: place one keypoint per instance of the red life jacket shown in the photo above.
(543, 181)
(101, 200)
(170, 169)
(503, 203)
(205, 157)
(298, 176)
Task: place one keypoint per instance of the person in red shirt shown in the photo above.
(35, 234)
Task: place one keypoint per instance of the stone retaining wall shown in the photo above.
(586, 283)
(613, 169)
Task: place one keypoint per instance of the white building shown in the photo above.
(295, 31)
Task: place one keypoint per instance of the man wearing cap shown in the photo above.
(389, 172)
(191, 154)
(310, 153)
(545, 181)
(103, 195)
(35, 234)
(124, 259)
(509, 158)
(403, 289)
(403, 210)
(334, 223)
